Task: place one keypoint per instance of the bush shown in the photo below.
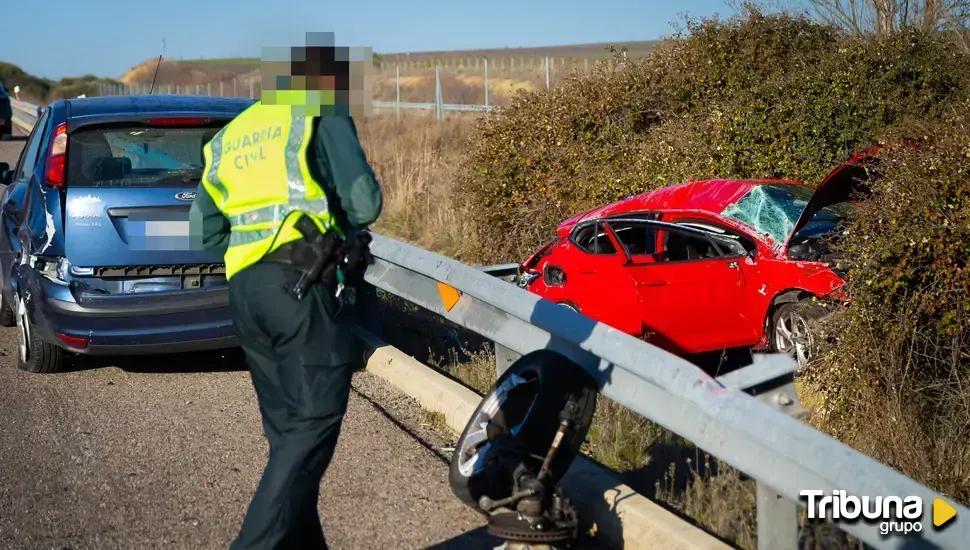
(42, 91)
(895, 378)
(31, 87)
(759, 96)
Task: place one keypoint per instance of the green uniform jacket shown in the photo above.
(336, 160)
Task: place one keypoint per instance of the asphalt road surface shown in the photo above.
(166, 451)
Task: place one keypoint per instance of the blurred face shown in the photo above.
(318, 79)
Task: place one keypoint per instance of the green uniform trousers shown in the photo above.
(301, 355)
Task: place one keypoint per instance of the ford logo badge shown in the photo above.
(185, 196)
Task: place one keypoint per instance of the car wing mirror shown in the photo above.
(5, 174)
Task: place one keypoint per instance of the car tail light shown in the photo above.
(57, 156)
(177, 121)
(73, 342)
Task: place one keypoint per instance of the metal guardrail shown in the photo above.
(25, 113)
(783, 454)
(731, 417)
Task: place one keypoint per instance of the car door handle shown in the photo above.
(733, 265)
(654, 283)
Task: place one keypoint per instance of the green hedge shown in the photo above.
(894, 379)
(758, 96)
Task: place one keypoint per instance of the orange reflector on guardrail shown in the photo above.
(449, 295)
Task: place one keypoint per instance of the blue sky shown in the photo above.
(107, 37)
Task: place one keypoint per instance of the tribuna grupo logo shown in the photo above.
(896, 515)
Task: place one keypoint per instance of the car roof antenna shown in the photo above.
(159, 64)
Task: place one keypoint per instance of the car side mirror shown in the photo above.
(5, 173)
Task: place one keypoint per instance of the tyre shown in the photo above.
(790, 332)
(7, 318)
(35, 354)
(525, 402)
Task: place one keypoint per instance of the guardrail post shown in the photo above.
(777, 515)
(222, 86)
(208, 88)
(777, 520)
(235, 87)
(252, 89)
(504, 357)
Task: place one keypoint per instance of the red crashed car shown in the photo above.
(704, 266)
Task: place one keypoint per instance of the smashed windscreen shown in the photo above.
(773, 210)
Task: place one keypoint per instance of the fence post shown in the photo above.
(397, 85)
(235, 86)
(252, 89)
(208, 88)
(547, 72)
(486, 83)
(439, 111)
(222, 87)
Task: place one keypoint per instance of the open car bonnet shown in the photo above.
(848, 181)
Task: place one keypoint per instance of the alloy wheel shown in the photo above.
(792, 336)
(476, 443)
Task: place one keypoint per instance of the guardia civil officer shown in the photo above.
(284, 197)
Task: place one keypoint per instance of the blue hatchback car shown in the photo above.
(96, 255)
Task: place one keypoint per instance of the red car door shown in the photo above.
(587, 272)
(688, 291)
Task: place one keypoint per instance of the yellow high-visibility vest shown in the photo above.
(256, 172)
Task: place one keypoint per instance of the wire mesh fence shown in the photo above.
(456, 84)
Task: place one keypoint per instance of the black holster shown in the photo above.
(324, 258)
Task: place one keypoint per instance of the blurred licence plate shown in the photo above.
(167, 228)
(160, 235)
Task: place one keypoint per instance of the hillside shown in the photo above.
(42, 90)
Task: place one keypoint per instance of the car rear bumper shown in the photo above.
(135, 324)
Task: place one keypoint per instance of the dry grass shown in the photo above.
(462, 86)
(415, 158)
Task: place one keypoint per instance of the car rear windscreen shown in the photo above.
(137, 157)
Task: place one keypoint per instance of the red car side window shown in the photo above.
(594, 239)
